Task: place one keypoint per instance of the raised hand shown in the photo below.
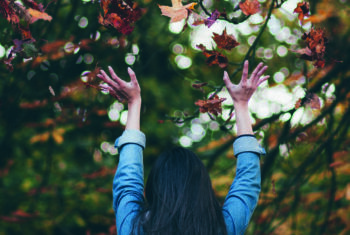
(120, 89)
(242, 92)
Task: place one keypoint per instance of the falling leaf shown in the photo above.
(26, 34)
(249, 7)
(212, 105)
(316, 47)
(57, 135)
(225, 41)
(310, 100)
(33, 105)
(37, 15)
(40, 137)
(177, 11)
(199, 85)
(302, 9)
(119, 14)
(34, 5)
(8, 12)
(23, 214)
(212, 19)
(214, 57)
(336, 164)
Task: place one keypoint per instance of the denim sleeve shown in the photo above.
(244, 192)
(128, 180)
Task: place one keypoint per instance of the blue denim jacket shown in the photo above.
(128, 184)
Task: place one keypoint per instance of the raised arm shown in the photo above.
(244, 191)
(128, 181)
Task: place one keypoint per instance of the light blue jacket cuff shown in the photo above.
(131, 137)
(247, 143)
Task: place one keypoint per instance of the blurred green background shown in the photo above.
(57, 132)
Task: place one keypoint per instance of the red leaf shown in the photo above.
(33, 105)
(310, 100)
(336, 164)
(303, 10)
(316, 47)
(23, 214)
(119, 14)
(26, 34)
(104, 171)
(8, 12)
(225, 41)
(250, 7)
(34, 5)
(212, 105)
(214, 57)
(199, 85)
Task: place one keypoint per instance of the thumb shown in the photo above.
(226, 79)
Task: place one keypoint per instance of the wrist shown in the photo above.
(240, 105)
(135, 102)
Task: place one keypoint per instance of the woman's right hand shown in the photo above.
(242, 92)
(118, 88)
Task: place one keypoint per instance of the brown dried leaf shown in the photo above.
(225, 41)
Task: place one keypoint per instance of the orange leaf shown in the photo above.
(40, 137)
(303, 10)
(57, 135)
(250, 7)
(212, 105)
(37, 15)
(177, 11)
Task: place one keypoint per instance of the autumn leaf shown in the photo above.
(32, 4)
(199, 85)
(310, 100)
(212, 19)
(249, 7)
(177, 11)
(37, 15)
(8, 12)
(120, 15)
(214, 57)
(302, 9)
(225, 41)
(40, 137)
(316, 47)
(211, 105)
(26, 34)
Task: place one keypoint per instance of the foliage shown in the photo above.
(57, 127)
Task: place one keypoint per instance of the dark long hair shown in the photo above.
(180, 198)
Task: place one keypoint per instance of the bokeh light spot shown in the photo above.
(183, 62)
(83, 22)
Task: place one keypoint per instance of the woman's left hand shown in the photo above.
(120, 89)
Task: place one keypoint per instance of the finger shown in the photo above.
(104, 87)
(114, 76)
(108, 80)
(260, 73)
(226, 79)
(245, 72)
(132, 76)
(263, 79)
(256, 70)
